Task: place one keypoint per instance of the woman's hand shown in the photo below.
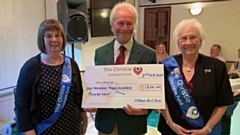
(178, 129)
(135, 111)
(202, 131)
(30, 132)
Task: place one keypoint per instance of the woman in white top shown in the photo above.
(235, 68)
(161, 52)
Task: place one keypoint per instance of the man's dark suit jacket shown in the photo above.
(106, 118)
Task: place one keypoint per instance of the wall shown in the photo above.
(220, 21)
(19, 21)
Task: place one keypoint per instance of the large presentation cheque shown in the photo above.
(116, 86)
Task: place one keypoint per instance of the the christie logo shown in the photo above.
(137, 70)
(192, 112)
(65, 78)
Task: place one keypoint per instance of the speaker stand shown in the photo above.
(72, 50)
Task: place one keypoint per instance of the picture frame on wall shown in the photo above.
(157, 23)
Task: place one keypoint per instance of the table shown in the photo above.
(235, 83)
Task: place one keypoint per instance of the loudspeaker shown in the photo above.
(72, 14)
(153, 1)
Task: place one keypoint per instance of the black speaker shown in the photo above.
(72, 14)
(153, 1)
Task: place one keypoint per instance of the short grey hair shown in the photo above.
(128, 6)
(186, 23)
(218, 47)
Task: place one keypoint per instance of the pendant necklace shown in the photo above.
(188, 69)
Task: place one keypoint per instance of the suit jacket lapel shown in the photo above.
(135, 55)
(109, 54)
(134, 58)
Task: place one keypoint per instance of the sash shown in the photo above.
(61, 99)
(183, 98)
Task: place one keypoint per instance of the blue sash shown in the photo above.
(61, 99)
(183, 98)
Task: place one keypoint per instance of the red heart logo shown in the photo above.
(137, 70)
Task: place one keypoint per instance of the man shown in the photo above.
(129, 120)
(215, 51)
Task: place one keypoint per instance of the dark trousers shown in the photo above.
(226, 124)
(226, 119)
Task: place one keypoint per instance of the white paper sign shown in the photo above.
(116, 86)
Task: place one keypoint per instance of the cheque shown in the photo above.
(115, 86)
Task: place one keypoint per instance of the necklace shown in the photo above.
(52, 60)
(188, 69)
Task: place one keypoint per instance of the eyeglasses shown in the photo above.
(49, 36)
(190, 38)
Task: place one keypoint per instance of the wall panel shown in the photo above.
(19, 21)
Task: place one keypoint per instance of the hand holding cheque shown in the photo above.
(124, 86)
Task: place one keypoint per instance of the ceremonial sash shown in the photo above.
(183, 98)
(61, 99)
(181, 93)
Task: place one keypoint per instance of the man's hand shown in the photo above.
(235, 92)
(90, 109)
(135, 111)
